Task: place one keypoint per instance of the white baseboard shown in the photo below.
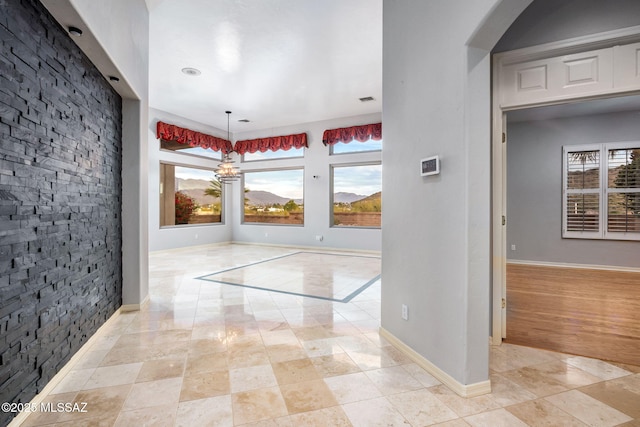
(189, 248)
(53, 382)
(126, 308)
(570, 265)
(463, 390)
(311, 248)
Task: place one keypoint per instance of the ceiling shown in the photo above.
(576, 108)
(274, 63)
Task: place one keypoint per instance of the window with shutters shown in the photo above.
(601, 197)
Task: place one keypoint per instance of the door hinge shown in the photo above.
(504, 303)
(504, 220)
(504, 137)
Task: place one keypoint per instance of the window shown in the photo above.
(602, 191)
(187, 149)
(356, 147)
(269, 155)
(274, 197)
(189, 196)
(357, 195)
(357, 138)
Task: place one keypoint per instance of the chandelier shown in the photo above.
(227, 172)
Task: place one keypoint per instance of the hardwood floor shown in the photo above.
(587, 312)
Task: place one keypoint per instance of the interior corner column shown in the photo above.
(135, 203)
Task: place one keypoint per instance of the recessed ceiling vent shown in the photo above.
(75, 31)
(244, 120)
(367, 99)
(191, 71)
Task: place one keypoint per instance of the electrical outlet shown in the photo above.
(196, 236)
(513, 247)
(405, 312)
(319, 238)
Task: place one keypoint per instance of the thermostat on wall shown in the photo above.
(430, 166)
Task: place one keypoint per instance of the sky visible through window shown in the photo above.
(283, 183)
(364, 180)
(192, 173)
(356, 147)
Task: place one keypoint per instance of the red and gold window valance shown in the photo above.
(359, 133)
(192, 138)
(273, 143)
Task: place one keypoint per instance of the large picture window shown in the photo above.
(274, 197)
(189, 196)
(602, 191)
(357, 195)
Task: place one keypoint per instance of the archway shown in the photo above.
(550, 56)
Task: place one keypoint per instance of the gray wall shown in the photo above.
(436, 230)
(546, 21)
(60, 200)
(534, 189)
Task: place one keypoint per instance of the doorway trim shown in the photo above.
(499, 138)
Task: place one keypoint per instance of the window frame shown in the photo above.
(161, 192)
(332, 168)
(279, 169)
(602, 191)
(197, 156)
(243, 160)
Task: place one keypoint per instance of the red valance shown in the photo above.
(273, 143)
(192, 138)
(359, 133)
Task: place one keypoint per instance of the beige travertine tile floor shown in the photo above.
(203, 353)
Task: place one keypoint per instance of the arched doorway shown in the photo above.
(540, 62)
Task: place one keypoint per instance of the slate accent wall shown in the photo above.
(60, 199)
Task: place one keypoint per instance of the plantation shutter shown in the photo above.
(623, 190)
(582, 216)
(601, 191)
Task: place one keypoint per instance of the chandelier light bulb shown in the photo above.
(227, 172)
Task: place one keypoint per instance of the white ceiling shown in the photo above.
(614, 104)
(274, 62)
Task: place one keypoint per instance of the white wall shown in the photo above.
(436, 230)
(186, 235)
(317, 206)
(121, 27)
